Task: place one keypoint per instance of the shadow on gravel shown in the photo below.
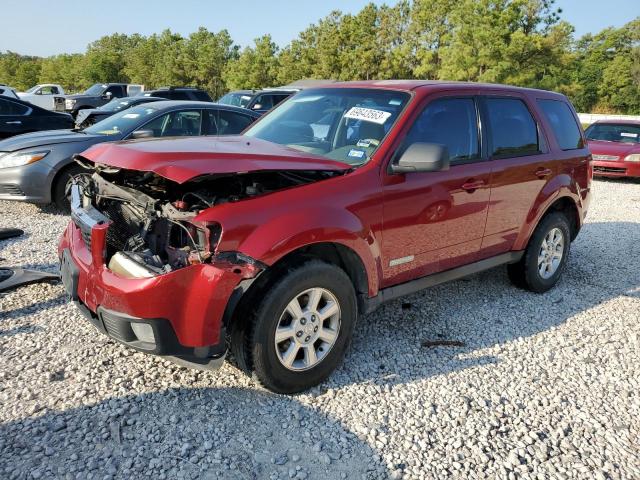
(225, 433)
(20, 330)
(399, 342)
(34, 307)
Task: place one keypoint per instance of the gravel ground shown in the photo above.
(541, 386)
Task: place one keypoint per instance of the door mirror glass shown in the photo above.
(422, 157)
(142, 134)
(108, 96)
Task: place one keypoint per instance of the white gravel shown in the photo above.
(545, 386)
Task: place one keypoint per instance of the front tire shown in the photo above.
(299, 332)
(545, 257)
(60, 189)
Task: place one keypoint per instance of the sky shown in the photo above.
(67, 26)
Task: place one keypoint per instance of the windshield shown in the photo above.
(343, 124)
(115, 105)
(33, 89)
(236, 99)
(614, 132)
(121, 122)
(96, 89)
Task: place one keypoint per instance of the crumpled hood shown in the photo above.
(44, 138)
(618, 149)
(182, 159)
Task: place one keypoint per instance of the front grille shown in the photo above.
(9, 189)
(597, 168)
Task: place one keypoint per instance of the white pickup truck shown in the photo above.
(42, 95)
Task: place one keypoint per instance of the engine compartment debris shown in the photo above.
(152, 228)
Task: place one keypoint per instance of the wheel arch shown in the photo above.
(561, 202)
(56, 177)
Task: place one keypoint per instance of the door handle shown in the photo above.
(472, 185)
(543, 172)
(16, 122)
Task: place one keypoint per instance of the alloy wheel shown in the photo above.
(551, 253)
(307, 329)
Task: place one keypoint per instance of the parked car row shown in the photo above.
(38, 167)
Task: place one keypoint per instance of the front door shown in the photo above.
(434, 221)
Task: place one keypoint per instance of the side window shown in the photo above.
(514, 133)
(116, 91)
(48, 91)
(10, 108)
(186, 123)
(55, 91)
(563, 124)
(231, 123)
(279, 98)
(263, 102)
(452, 122)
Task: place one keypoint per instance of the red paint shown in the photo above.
(181, 159)
(443, 219)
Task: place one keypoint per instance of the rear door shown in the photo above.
(521, 165)
(14, 118)
(226, 122)
(434, 221)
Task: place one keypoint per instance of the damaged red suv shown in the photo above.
(271, 244)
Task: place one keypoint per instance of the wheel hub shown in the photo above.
(306, 328)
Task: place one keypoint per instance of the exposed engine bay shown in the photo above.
(152, 228)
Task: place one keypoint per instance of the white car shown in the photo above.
(42, 95)
(7, 91)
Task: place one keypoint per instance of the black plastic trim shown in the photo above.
(391, 293)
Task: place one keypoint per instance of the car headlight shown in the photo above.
(18, 159)
(634, 157)
(69, 103)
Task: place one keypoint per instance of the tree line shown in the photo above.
(517, 42)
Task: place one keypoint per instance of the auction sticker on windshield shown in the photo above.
(368, 115)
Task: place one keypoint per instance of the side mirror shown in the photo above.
(257, 106)
(422, 157)
(142, 134)
(108, 96)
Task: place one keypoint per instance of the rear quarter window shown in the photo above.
(563, 123)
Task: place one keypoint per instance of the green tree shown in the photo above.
(255, 67)
(608, 70)
(106, 58)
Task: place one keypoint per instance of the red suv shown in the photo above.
(271, 244)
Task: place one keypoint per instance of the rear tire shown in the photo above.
(545, 257)
(300, 328)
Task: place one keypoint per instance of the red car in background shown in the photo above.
(615, 145)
